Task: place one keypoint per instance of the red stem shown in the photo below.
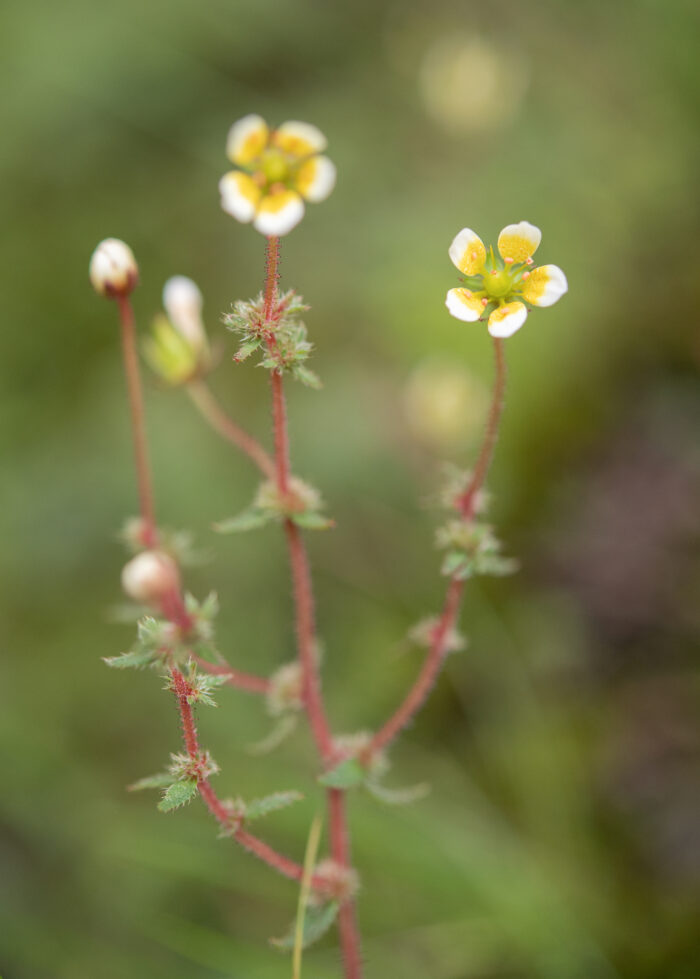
(133, 380)
(213, 413)
(235, 678)
(280, 863)
(465, 504)
(428, 674)
(306, 641)
(306, 638)
(340, 850)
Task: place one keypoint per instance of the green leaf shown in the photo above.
(311, 520)
(248, 520)
(346, 775)
(279, 733)
(178, 794)
(398, 797)
(245, 350)
(458, 565)
(135, 660)
(317, 921)
(307, 377)
(271, 803)
(151, 782)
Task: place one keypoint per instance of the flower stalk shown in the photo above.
(138, 424)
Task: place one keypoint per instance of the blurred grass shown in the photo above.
(558, 841)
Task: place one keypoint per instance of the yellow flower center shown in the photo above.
(498, 284)
(275, 166)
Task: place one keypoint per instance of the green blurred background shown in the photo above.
(561, 836)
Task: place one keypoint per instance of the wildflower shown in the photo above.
(113, 268)
(501, 287)
(279, 170)
(150, 577)
(177, 349)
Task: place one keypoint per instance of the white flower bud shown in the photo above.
(182, 301)
(113, 268)
(150, 576)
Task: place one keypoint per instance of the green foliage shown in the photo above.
(318, 919)
(397, 797)
(301, 504)
(271, 803)
(160, 781)
(282, 340)
(473, 549)
(177, 795)
(250, 519)
(346, 775)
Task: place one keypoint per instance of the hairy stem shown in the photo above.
(210, 409)
(340, 851)
(465, 503)
(416, 696)
(306, 636)
(432, 664)
(133, 381)
(306, 641)
(280, 863)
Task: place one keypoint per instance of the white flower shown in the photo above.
(280, 169)
(113, 268)
(501, 287)
(183, 303)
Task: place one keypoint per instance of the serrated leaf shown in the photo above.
(310, 520)
(317, 921)
(245, 350)
(159, 781)
(178, 794)
(346, 775)
(307, 377)
(248, 520)
(457, 565)
(398, 797)
(271, 803)
(135, 660)
(279, 733)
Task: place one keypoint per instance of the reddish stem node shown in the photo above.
(306, 636)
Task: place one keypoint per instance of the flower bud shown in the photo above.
(150, 577)
(182, 301)
(113, 268)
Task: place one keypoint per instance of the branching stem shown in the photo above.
(306, 637)
(416, 696)
(212, 412)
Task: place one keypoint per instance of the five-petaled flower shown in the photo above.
(279, 170)
(502, 287)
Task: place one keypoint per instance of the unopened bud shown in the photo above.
(113, 268)
(150, 577)
(182, 301)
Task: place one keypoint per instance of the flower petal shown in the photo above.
(316, 178)
(464, 305)
(299, 139)
(279, 212)
(240, 195)
(468, 252)
(507, 320)
(544, 285)
(246, 140)
(519, 241)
